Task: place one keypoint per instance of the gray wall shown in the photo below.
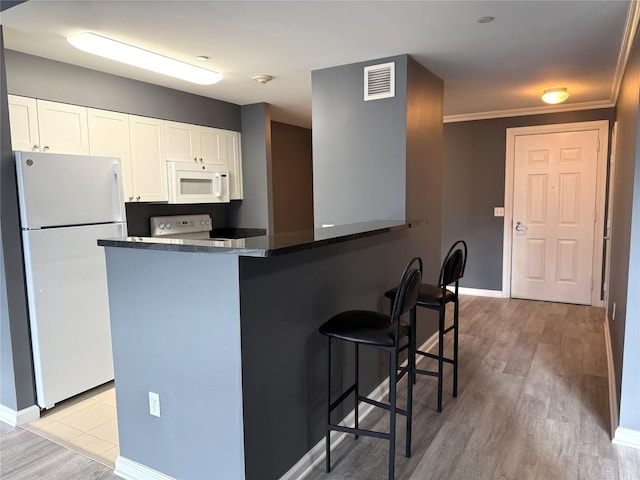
(359, 148)
(256, 208)
(625, 253)
(292, 178)
(473, 183)
(80, 86)
(16, 371)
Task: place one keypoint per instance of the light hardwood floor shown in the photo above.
(532, 404)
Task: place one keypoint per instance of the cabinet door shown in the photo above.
(179, 142)
(23, 121)
(234, 161)
(63, 128)
(109, 137)
(210, 145)
(148, 164)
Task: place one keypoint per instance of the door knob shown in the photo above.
(520, 227)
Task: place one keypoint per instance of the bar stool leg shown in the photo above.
(357, 390)
(392, 412)
(455, 347)
(412, 346)
(410, 382)
(440, 355)
(328, 438)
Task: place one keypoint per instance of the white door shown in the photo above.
(554, 213)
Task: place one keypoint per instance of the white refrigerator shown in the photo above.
(68, 202)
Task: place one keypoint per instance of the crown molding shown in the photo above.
(519, 112)
(630, 31)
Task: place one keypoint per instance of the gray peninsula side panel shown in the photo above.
(175, 325)
(284, 300)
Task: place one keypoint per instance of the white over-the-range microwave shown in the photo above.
(197, 183)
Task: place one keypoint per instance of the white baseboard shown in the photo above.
(19, 417)
(479, 292)
(130, 470)
(611, 374)
(627, 437)
(317, 454)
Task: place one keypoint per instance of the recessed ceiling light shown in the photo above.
(122, 52)
(555, 95)
(486, 19)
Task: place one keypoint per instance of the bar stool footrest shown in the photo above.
(358, 431)
(384, 406)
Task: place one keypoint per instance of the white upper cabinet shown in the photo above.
(179, 142)
(234, 161)
(23, 119)
(148, 159)
(63, 128)
(194, 143)
(109, 137)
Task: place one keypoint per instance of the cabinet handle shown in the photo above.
(131, 198)
(195, 159)
(138, 198)
(35, 148)
(200, 160)
(46, 147)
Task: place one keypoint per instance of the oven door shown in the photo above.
(192, 183)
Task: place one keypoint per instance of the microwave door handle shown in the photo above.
(219, 182)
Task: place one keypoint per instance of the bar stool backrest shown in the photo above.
(453, 265)
(408, 291)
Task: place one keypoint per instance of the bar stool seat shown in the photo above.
(364, 327)
(383, 332)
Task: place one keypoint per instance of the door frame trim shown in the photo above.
(602, 126)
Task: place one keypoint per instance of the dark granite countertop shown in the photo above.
(264, 245)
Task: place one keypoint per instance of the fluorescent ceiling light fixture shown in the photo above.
(121, 52)
(555, 95)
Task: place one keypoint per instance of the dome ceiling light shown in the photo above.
(555, 95)
(263, 78)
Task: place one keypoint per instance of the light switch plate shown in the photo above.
(498, 211)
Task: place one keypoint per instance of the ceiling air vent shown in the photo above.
(379, 81)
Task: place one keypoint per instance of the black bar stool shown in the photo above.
(436, 297)
(384, 332)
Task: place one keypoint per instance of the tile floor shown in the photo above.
(86, 423)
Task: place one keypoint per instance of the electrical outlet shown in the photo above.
(154, 404)
(498, 211)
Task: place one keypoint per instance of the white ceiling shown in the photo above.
(497, 68)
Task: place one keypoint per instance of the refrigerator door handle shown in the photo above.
(117, 173)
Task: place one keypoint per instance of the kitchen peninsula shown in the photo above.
(225, 332)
